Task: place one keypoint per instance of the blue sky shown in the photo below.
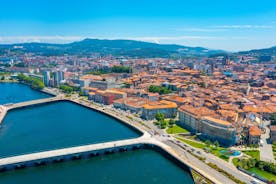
(221, 24)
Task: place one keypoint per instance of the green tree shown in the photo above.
(67, 89)
(33, 82)
(251, 163)
(208, 143)
(216, 143)
(159, 89)
(171, 122)
(159, 116)
(162, 124)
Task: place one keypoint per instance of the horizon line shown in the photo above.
(59, 40)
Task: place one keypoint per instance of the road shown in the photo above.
(266, 153)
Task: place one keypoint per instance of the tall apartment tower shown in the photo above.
(46, 77)
(58, 77)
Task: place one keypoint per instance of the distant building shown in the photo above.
(176, 99)
(46, 78)
(103, 85)
(169, 109)
(272, 74)
(238, 68)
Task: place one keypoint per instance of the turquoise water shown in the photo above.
(136, 167)
(57, 125)
(15, 92)
(230, 153)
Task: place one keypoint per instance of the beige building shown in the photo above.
(169, 109)
(199, 120)
(133, 104)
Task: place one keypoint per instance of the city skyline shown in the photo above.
(231, 25)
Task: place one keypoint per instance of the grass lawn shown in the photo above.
(235, 161)
(253, 153)
(192, 143)
(216, 152)
(263, 174)
(176, 129)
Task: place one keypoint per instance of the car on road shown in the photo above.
(254, 181)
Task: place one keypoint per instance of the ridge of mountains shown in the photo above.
(127, 48)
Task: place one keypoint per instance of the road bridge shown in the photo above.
(32, 102)
(71, 153)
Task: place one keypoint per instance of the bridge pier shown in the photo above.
(58, 160)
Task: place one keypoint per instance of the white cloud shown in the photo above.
(196, 29)
(173, 38)
(243, 26)
(46, 39)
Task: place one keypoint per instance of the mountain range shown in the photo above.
(267, 51)
(128, 48)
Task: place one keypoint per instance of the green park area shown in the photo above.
(175, 129)
(255, 165)
(263, 173)
(208, 146)
(192, 143)
(253, 154)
